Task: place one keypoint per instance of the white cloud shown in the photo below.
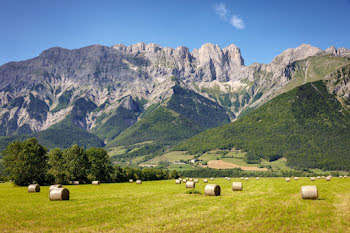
(224, 14)
(237, 22)
(221, 10)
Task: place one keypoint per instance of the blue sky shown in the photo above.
(262, 29)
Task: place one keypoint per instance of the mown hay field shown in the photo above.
(265, 205)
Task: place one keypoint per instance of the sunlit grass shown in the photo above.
(267, 205)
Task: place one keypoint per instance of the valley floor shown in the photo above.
(265, 205)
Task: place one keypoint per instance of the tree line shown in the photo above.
(27, 162)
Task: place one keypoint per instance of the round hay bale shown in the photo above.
(190, 184)
(76, 182)
(195, 180)
(257, 178)
(184, 180)
(177, 181)
(318, 177)
(246, 179)
(237, 186)
(212, 190)
(190, 179)
(287, 179)
(312, 178)
(54, 187)
(95, 182)
(309, 192)
(59, 194)
(33, 188)
(242, 178)
(212, 178)
(296, 178)
(205, 181)
(131, 180)
(138, 181)
(328, 178)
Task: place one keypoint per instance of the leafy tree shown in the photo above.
(119, 174)
(77, 163)
(26, 162)
(100, 164)
(252, 158)
(3, 173)
(174, 174)
(57, 166)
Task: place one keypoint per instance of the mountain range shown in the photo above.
(148, 97)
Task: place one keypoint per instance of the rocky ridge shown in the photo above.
(91, 82)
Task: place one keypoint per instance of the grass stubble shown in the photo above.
(267, 205)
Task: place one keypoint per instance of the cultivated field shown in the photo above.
(220, 164)
(265, 205)
(169, 157)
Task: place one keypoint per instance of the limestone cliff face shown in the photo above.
(91, 82)
(340, 52)
(207, 63)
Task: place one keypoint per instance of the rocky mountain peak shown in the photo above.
(55, 51)
(294, 54)
(210, 52)
(338, 52)
(234, 54)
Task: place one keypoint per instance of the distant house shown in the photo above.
(193, 160)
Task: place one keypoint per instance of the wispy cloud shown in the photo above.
(221, 10)
(224, 14)
(237, 22)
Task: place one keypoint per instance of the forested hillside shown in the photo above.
(306, 125)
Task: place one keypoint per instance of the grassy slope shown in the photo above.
(182, 116)
(268, 205)
(120, 120)
(170, 157)
(185, 114)
(197, 108)
(306, 125)
(63, 135)
(161, 125)
(317, 68)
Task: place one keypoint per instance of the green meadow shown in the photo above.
(265, 205)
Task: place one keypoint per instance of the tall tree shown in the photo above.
(57, 166)
(100, 164)
(77, 163)
(26, 162)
